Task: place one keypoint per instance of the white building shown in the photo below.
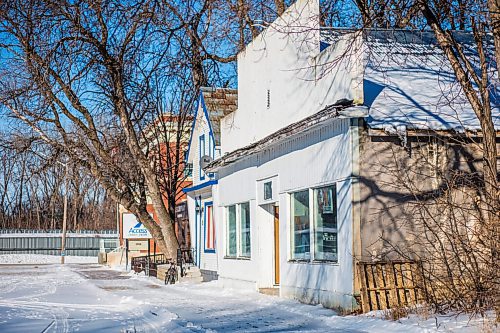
(213, 104)
(285, 176)
(299, 197)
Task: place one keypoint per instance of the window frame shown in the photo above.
(240, 231)
(201, 149)
(292, 254)
(207, 249)
(312, 207)
(227, 253)
(238, 211)
(315, 227)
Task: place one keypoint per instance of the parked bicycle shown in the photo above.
(171, 276)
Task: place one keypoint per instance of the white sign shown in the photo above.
(132, 228)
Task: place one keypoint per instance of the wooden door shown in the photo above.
(276, 245)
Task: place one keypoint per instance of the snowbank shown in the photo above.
(43, 259)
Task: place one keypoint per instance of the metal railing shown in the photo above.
(148, 264)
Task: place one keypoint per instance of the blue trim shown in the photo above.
(197, 244)
(200, 186)
(206, 113)
(192, 127)
(207, 203)
(211, 133)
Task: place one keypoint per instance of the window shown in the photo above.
(231, 231)
(245, 230)
(268, 190)
(202, 153)
(322, 235)
(238, 235)
(188, 170)
(325, 224)
(211, 153)
(209, 228)
(300, 220)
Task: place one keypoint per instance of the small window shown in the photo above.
(188, 170)
(268, 190)
(301, 229)
(231, 231)
(202, 153)
(325, 224)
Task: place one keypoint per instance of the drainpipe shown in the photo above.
(355, 125)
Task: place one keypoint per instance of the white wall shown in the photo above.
(285, 59)
(319, 157)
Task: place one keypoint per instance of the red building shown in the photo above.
(167, 140)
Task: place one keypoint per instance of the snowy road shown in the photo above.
(92, 298)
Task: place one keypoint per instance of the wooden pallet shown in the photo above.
(386, 285)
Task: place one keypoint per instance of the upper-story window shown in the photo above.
(188, 167)
(188, 170)
(202, 153)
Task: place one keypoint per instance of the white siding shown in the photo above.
(318, 157)
(300, 80)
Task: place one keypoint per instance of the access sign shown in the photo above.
(133, 229)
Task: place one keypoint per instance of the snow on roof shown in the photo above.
(219, 103)
(409, 82)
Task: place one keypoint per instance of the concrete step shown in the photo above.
(193, 272)
(270, 291)
(188, 279)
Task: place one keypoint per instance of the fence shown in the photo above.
(81, 243)
(386, 285)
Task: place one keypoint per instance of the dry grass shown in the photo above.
(396, 313)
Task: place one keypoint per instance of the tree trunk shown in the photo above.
(280, 6)
(494, 10)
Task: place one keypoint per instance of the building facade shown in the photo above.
(204, 145)
(297, 196)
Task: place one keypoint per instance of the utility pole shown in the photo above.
(65, 211)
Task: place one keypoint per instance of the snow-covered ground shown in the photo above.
(93, 298)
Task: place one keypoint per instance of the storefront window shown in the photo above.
(325, 224)
(238, 231)
(301, 228)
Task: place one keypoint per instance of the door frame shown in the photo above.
(276, 246)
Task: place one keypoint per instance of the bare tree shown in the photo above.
(85, 72)
(40, 204)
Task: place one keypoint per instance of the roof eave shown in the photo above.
(353, 111)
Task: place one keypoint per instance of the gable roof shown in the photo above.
(409, 83)
(218, 103)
